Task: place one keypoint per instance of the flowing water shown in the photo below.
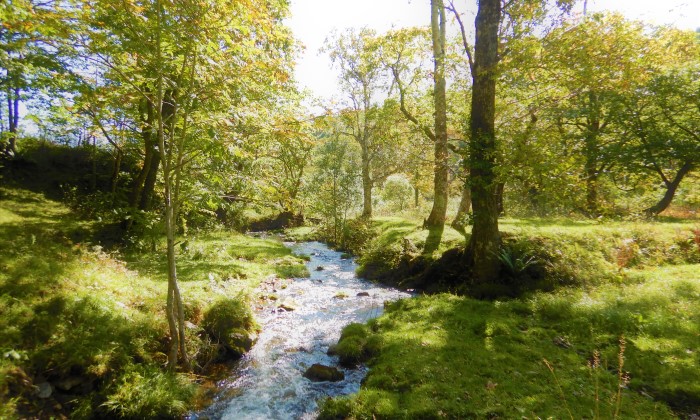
(267, 383)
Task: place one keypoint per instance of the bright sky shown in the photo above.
(313, 20)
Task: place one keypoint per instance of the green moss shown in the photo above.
(357, 344)
(544, 355)
(231, 323)
(70, 309)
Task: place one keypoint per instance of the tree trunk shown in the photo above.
(484, 242)
(671, 188)
(366, 185)
(93, 175)
(114, 179)
(416, 196)
(146, 197)
(150, 151)
(441, 184)
(592, 152)
(500, 187)
(465, 204)
(12, 118)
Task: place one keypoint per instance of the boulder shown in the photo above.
(238, 342)
(66, 384)
(230, 323)
(44, 390)
(321, 373)
(363, 294)
(288, 305)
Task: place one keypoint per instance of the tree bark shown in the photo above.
(114, 179)
(465, 204)
(592, 152)
(671, 188)
(12, 118)
(146, 196)
(147, 126)
(366, 184)
(440, 182)
(500, 187)
(484, 242)
(416, 196)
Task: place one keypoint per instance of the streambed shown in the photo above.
(268, 382)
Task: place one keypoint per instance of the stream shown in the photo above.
(267, 383)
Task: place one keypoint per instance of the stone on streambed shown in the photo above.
(288, 305)
(320, 373)
(363, 294)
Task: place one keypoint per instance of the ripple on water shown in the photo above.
(267, 383)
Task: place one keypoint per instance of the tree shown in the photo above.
(35, 49)
(176, 59)
(403, 53)
(335, 184)
(397, 190)
(592, 62)
(515, 20)
(485, 238)
(361, 79)
(663, 118)
(438, 26)
(284, 146)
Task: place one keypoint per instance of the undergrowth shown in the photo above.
(85, 327)
(604, 324)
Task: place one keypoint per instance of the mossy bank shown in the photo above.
(614, 334)
(83, 332)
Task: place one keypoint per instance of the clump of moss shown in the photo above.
(357, 344)
(231, 323)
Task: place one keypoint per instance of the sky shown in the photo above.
(313, 20)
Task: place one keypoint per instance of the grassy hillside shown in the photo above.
(82, 331)
(616, 336)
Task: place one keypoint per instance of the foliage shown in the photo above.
(397, 191)
(148, 393)
(335, 186)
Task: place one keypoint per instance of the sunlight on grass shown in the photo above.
(73, 310)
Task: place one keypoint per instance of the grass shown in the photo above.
(619, 341)
(538, 254)
(91, 323)
(456, 357)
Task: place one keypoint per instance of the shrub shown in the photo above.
(148, 392)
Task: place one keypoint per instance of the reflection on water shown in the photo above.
(268, 383)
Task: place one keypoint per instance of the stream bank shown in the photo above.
(302, 320)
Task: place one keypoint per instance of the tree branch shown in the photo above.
(467, 47)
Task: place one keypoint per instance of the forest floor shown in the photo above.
(615, 335)
(83, 331)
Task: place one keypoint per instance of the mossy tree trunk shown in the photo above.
(441, 170)
(484, 242)
(366, 183)
(465, 205)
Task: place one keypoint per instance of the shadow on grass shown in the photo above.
(432, 242)
(469, 358)
(53, 317)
